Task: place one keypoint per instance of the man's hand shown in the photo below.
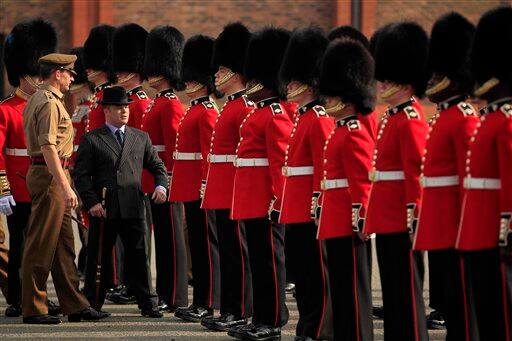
(159, 195)
(70, 198)
(98, 211)
(363, 236)
(6, 202)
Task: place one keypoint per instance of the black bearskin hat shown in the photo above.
(230, 46)
(81, 74)
(128, 48)
(164, 52)
(349, 32)
(301, 61)
(493, 33)
(348, 72)
(264, 56)
(197, 56)
(375, 37)
(27, 42)
(450, 45)
(97, 48)
(401, 56)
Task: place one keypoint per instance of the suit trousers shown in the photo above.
(265, 241)
(235, 269)
(17, 223)
(49, 246)
(402, 288)
(204, 252)
(170, 253)
(309, 268)
(489, 276)
(3, 260)
(351, 292)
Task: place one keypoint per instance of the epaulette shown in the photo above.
(466, 109)
(276, 108)
(48, 94)
(248, 102)
(353, 125)
(141, 94)
(7, 98)
(210, 105)
(170, 95)
(411, 113)
(319, 111)
(506, 109)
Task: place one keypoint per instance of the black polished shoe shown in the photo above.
(13, 311)
(435, 320)
(378, 312)
(152, 313)
(193, 313)
(165, 308)
(54, 309)
(120, 295)
(41, 319)
(223, 323)
(238, 332)
(88, 314)
(262, 333)
(290, 287)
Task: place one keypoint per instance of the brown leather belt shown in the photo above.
(39, 160)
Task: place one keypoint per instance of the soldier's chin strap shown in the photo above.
(491, 83)
(438, 87)
(191, 90)
(225, 78)
(335, 108)
(92, 75)
(126, 79)
(297, 91)
(391, 91)
(154, 80)
(253, 89)
(31, 81)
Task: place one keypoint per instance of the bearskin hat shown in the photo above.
(230, 46)
(450, 45)
(81, 74)
(197, 56)
(27, 42)
(349, 32)
(97, 48)
(265, 53)
(164, 52)
(128, 48)
(348, 72)
(493, 33)
(401, 53)
(301, 61)
(375, 37)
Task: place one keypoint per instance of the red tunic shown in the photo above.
(96, 115)
(370, 123)
(191, 149)
(226, 134)
(305, 149)
(138, 107)
(264, 134)
(399, 148)
(80, 120)
(489, 156)
(348, 154)
(161, 122)
(445, 156)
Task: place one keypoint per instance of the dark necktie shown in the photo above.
(120, 137)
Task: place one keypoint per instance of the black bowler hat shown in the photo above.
(115, 95)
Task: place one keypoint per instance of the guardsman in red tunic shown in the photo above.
(395, 192)
(348, 84)
(190, 170)
(443, 170)
(27, 42)
(484, 236)
(259, 184)
(303, 172)
(97, 62)
(235, 291)
(162, 64)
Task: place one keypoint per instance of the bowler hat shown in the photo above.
(115, 95)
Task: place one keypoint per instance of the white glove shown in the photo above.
(6, 202)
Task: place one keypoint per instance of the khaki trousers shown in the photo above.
(49, 246)
(3, 259)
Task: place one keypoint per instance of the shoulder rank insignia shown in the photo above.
(276, 108)
(411, 113)
(170, 95)
(353, 125)
(319, 111)
(210, 105)
(7, 98)
(141, 94)
(506, 109)
(248, 102)
(467, 109)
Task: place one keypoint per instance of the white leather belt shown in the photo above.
(159, 148)
(16, 152)
(217, 158)
(327, 184)
(439, 181)
(256, 162)
(376, 175)
(186, 156)
(295, 171)
(481, 183)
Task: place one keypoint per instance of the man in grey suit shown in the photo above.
(113, 157)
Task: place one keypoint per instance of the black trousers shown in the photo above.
(435, 280)
(133, 235)
(235, 269)
(490, 285)
(204, 252)
(351, 293)
(309, 268)
(17, 224)
(265, 241)
(402, 288)
(170, 253)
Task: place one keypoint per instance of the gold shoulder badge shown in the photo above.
(170, 95)
(319, 111)
(353, 125)
(276, 108)
(467, 109)
(7, 98)
(411, 113)
(506, 109)
(141, 94)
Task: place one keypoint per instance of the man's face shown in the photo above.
(65, 78)
(221, 84)
(116, 115)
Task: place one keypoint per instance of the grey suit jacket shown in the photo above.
(102, 163)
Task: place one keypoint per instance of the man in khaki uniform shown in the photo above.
(49, 244)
